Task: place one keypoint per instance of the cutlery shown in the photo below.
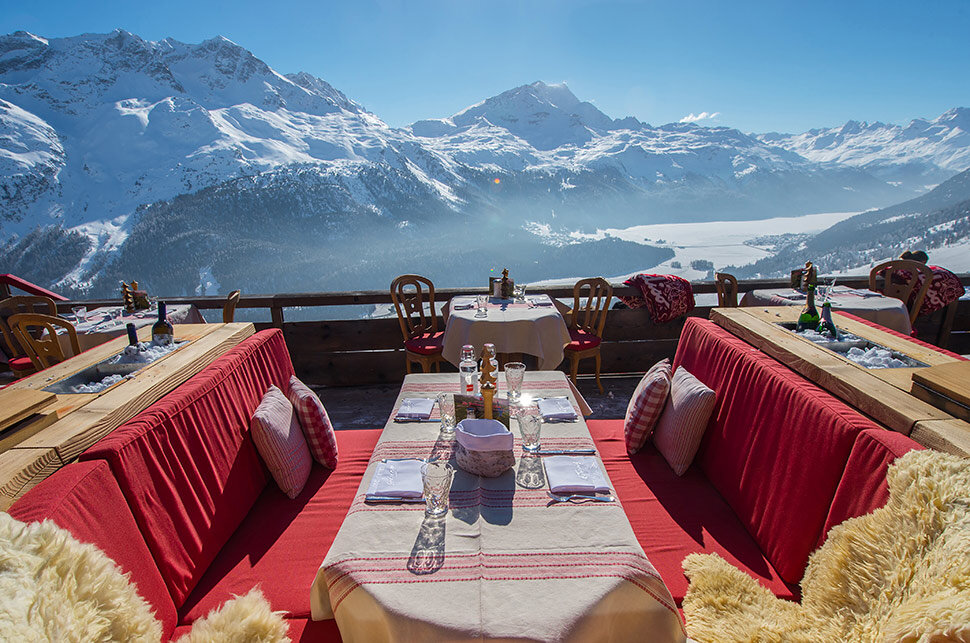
(566, 452)
(579, 497)
(371, 498)
(406, 420)
(431, 459)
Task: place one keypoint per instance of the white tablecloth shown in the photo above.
(885, 311)
(503, 564)
(98, 331)
(513, 327)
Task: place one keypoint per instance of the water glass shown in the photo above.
(80, 313)
(482, 304)
(436, 477)
(446, 406)
(529, 426)
(514, 374)
(519, 291)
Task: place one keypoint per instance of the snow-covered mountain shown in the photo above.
(102, 135)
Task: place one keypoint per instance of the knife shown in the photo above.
(566, 452)
(372, 498)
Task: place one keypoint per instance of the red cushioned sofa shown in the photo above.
(181, 500)
(781, 462)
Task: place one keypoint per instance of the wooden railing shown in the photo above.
(347, 352)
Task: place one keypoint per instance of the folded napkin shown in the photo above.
(863, 293)
(415, 408)
(463, 305)
(793, 296)
(556, 408)
(574, 474)
(540, 301)
(399, 479)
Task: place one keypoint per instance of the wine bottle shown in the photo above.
(809, 318)
(506, 285)
(132, 347)
(163, 333)
(827, 326)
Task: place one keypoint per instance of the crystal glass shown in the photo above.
(519, 291)
(446, 406)
(80, 313)
(482, 304)
(436, 477)
(514, 374)
(529, 426)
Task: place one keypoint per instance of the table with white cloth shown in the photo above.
(534, 327)
(101, 327)
(505, 563)
(885, 311)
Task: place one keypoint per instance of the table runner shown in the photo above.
(885, 311)
(504, 564)
(512, 327)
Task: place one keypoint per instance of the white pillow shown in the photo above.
(280, 441)
(683, 421)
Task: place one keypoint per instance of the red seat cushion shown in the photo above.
(84, 499)
(301, 630)
(426, 344)
(674, 516)
(20, 364)
(187, 465)
(282, 542)
(581, 340)
(776, 446)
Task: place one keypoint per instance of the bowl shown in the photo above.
(484, 447)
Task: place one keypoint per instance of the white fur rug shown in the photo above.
(54, 588)
(901, 573)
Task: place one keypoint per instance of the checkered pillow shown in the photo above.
(646, 405)
(280, 442)
(315, 422)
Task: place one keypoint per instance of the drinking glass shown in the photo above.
(436, 477)
(529, 426)
(482, 303)
(520, 291)
(80, 313)
(514, 374)
(446, 406)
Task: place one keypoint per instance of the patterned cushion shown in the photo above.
(279, 440)
(581, 340)
(646, 405)
(426, 344)
(684, 420)
(315, 423)
(666, 297)
(944, 289)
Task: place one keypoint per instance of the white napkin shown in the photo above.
(540, 301)
(415, 408)
(463, 304)
(574, 474)
(556, 408)
(399, 478)
(793, 296)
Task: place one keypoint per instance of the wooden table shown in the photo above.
(71, 423)
(877, 308)
(882, 394)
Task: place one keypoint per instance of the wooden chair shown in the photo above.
(44, 350)
(727, 290)
(422, 339)
(20, 362)
(900, 277)
(229, 308)
(586, 324)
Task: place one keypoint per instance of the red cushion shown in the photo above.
(20, 364)
(426, 344)
(863, 485)
(187, 464)
(581, 340)
(674, 516)
(776, 445)
(302, 630)
(85, 499)
(282, 542)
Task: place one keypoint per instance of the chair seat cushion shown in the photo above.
(20, 364)
(282, 542)
(674, 516)
(426, 344)
(581, 340)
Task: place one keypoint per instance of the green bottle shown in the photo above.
(827, 326)
(809, 318)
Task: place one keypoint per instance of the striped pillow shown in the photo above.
(684, 420)
(315, 422)
(279, 440)
(646, 405)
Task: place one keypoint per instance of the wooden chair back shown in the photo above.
(45, 349)
(591, 317)
(409, 292)
(229, 308)
(900, 277)
(19, 304)
(727, 290)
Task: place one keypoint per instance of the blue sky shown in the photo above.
(759, 66)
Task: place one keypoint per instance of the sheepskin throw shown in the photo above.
(900, 573)
(54, 588)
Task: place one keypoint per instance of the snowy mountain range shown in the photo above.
(102, 135)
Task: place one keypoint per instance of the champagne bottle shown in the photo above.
(809, 318)
(827, 326)
(132, 347)
(162, 331)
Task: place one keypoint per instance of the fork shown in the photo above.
(579, 497)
